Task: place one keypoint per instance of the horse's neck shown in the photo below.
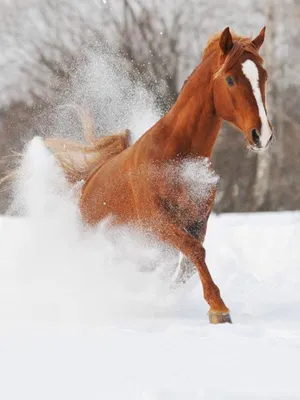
(192, 125)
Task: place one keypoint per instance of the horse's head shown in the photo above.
(239, 88)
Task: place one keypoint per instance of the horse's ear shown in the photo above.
(258, 41)
(225, 41)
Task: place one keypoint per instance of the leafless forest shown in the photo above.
(45, 43)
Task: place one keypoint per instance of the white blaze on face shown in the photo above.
(251, 72)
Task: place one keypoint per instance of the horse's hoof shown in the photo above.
(219, 318)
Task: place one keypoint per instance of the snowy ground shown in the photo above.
(79, 320)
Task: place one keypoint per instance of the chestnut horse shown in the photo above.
(141, 184)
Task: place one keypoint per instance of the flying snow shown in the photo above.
(199, 177)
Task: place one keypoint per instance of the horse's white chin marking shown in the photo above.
(251, 72)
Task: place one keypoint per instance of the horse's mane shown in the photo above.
(241, 44)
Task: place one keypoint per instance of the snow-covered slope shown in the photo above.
(62, 339)
(81, 317)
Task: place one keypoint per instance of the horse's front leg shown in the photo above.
(195, 252)
(185, 268)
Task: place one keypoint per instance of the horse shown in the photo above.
(141, 184)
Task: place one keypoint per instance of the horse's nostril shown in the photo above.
(255, 137)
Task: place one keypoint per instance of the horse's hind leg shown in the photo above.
(184, 271)
(194, 251)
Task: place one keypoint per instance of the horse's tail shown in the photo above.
(79, 159)
(11, 173)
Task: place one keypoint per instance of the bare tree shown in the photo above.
(44, 43)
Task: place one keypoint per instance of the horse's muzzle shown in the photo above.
(256, 140)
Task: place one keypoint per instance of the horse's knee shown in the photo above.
(199, 252)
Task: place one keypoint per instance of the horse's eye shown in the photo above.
(230, 80)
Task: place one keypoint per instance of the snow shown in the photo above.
(82, 318)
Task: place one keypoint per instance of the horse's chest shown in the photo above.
(187, 192)
(184, 206)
